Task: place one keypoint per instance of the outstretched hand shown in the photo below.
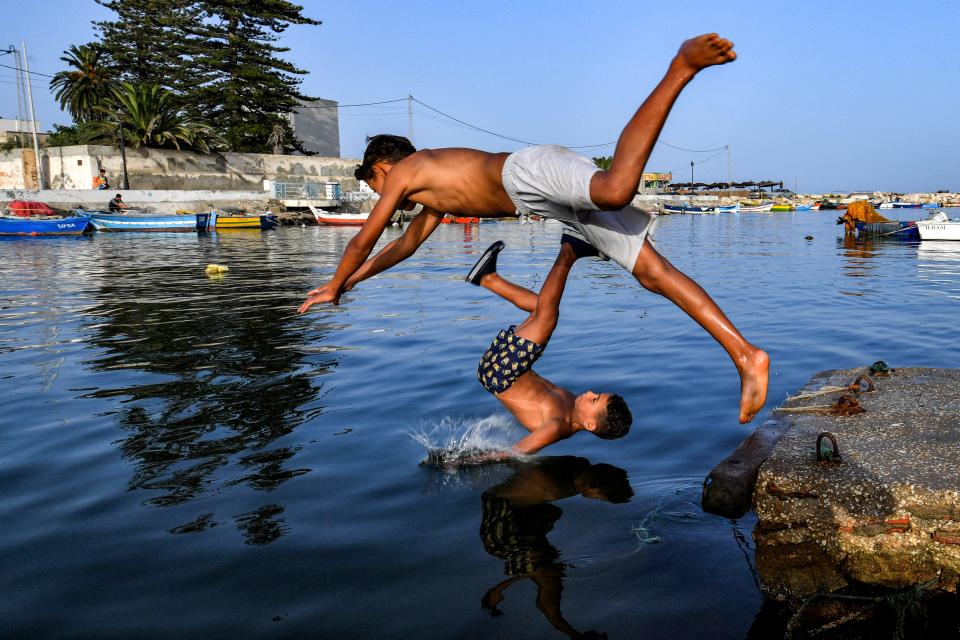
(323, 293)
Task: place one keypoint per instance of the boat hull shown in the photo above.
(939, 230)
(760, 208)
(226, 222)
(139, 222)
(781, 207)
(71, 226)
(685, 208)
(906, 205)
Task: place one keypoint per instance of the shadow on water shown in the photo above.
(519, 513)
(228, 382)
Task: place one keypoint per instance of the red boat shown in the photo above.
(449, 219)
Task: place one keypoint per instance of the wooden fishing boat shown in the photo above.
(340, 219)
(780, 206)
(684, 207)
(223, 221)
(58, 226)
(727, 208)
(903, 230)
(141, 221)
(803, 207)
(756, 208)
(450, 219)
(906, 205)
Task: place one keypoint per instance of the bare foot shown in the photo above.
(753, 384)
(705, 51)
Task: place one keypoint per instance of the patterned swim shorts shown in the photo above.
(508, 358)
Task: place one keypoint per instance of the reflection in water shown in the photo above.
(519, 513)
(229, 379)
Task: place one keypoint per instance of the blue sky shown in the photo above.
(835, 95)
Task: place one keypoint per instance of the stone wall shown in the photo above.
(74, 168)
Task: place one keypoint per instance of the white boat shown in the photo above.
(939, 227)
(762, 207)
(339, 219)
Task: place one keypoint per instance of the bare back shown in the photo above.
(461, 181)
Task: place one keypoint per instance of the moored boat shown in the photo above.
(756, 208)
(906, 205)
(59, 226)
(684, 207)
(223, 221)
(803, 207)
(939, 227)
(140, 221)
(782, 206)
(340, 219)
(727, 208)
(451, 219)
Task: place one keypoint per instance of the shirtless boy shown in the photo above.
(555, 183)
(550, 413)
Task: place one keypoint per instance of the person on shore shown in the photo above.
(549, 412)
(554, 182)
(117, 205)
(100, 182)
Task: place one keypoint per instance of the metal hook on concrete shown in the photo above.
(847, 406)
(834, 455)
(855, 387)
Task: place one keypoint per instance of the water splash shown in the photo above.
(452, 441)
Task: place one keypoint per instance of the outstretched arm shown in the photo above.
(360, 246)
(417, 231)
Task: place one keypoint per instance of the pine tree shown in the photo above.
(252, 89)
(151, 41)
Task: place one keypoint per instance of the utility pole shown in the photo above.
(33, 118)
(729, 166)
(410, 118)
(691, 175)
(124, 183)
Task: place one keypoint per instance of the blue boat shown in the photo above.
(906, 205)
(685, 207)
(932, 205)
(139, 221)
(802, 207)
(902, 230)
(68, 226)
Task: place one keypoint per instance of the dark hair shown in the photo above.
(616, 420)
(118, 196)
(383, 148)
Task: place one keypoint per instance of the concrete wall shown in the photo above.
(161, 201)
(74, 168)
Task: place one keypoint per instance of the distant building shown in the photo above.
(317, 125)
(655, 181)
(10, 127)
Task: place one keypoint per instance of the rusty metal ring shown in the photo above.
(835, 454)
(855, 387)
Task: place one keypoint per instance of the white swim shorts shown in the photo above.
(554, 182)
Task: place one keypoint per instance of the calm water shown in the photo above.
(182, 456)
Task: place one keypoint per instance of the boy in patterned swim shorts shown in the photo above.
(550, 413)
(556, 183)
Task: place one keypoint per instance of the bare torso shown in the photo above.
(534, 400)
(460, 181)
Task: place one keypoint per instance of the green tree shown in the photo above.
(252, 89)
(152, 41)
(150, 117)
(86, 87)
(63, 136)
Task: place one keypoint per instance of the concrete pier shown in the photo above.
(887, 513)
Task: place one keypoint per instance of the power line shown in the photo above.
(33, 73)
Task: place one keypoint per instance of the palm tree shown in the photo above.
(603, 162)
(150, 117)
(87, 87)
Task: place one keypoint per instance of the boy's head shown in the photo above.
(382, 150)
(606, 415)
(605, 482)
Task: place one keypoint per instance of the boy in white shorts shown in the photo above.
(556, 183)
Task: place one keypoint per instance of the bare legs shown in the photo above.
(544, 308)
(613, 189)
(656, 274)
